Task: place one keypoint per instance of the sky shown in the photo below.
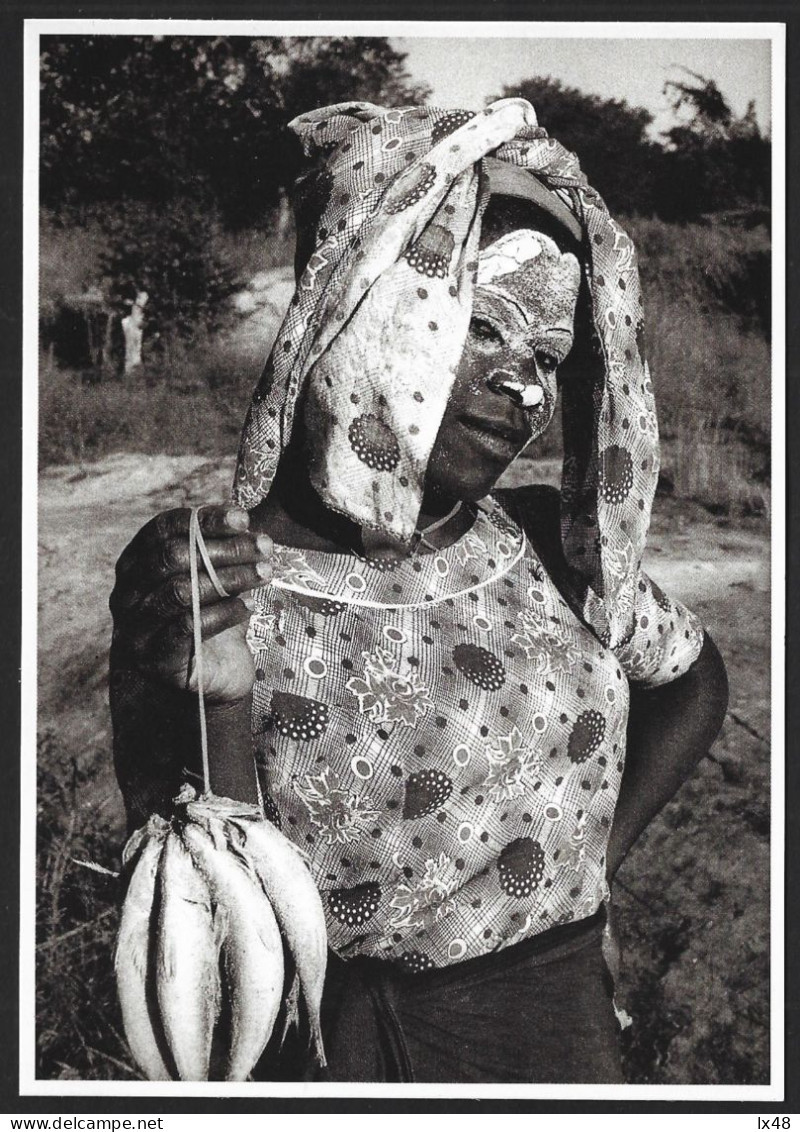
(465, 71)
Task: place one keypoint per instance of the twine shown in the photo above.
(197, 545)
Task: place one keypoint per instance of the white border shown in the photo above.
(30, 544)
(28, 1083)
(778, 524)
(547, 29)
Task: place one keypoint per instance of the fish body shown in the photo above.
(186, 961)
(132, 961)
(252, 952)
(295, 899)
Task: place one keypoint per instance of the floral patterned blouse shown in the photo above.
(446, 739)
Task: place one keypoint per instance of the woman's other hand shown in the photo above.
(152, 601)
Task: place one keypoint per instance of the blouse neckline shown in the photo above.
(482, 555)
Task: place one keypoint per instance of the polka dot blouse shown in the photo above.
(446, 739)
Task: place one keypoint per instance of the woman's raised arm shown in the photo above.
(670, 729)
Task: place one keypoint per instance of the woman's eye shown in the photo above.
(484, 331)
(547, 362)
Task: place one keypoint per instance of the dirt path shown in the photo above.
(692, 896)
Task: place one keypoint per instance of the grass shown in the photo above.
(172, 413)
(252, 250)
(706, 298)
(706, 464)
(78, 1024)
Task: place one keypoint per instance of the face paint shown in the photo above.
(523, 319)
(511, 252)
(505, 391)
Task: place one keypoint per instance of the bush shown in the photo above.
(70, 261)
(713, 267)
(169, 252)
(706, 299)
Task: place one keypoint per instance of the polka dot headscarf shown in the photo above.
(390, 216)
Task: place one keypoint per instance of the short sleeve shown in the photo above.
(666, 639)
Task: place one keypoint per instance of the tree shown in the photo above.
(169, 254)
(713, 161)
(162, 138)
(154, 117)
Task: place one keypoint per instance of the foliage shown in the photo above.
(154, 117)
(160, 140)
(70, 261)
(715, 160)
(169, 254)
(715, 267)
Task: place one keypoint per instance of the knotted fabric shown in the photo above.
(390, 213)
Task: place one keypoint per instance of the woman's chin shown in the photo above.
(471, 488)
(469, 464)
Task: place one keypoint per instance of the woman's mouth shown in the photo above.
(499, 435)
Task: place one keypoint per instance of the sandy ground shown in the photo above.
(693, 896)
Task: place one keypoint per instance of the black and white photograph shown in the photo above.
(401, 407)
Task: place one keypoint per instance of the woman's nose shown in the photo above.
(527, 396)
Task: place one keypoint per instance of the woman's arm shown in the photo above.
(670, 729)
(153, 680)
(157, 743)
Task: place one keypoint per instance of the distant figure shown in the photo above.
(132, 330)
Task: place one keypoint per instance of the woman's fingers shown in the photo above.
(213, 619)
(168, 649)
(174, 596)
(152, 598)
(171, 557)
(217, 521)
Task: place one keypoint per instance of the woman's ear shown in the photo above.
(581, 364)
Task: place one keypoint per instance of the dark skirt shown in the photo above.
(538, 1012)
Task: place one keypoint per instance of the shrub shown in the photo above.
(714, 267)
(69, 261)
(167, 251)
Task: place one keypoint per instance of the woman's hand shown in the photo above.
(612, 947)
(152, 601)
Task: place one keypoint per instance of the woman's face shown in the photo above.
(505, 387)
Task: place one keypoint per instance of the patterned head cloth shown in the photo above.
(389, 219)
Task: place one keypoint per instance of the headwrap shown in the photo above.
(390, 216)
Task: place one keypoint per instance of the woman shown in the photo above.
(438, 685)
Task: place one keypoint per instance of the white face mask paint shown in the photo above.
(511, 252)
(526, 273)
